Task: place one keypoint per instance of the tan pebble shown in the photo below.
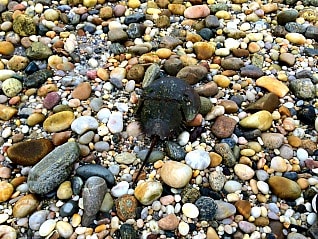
(5, 172)
(44, 90)
(261, 120)
(176, 174)
(176, 9)
(253, 184)
(76, 220)
(47, 227)
(54, 60)
(106, 12)
(269, 7)
(193, 37)
(247, 152)
(164, 53)
(134, 3)
(64, 191)
(158, 164)
(102, 74)
(222, 81)
(272, 85)
(3, 217)
(6, 48)
(7, 112)
(8, 232)
(290, 191)
(212, 234)
(147, 192)
(169, 222)
(289, 124)
(245, 160)
(6, 190)
(58, 121)
(303, 183)
(244, 208)
(253, 47)
(18, 181)
(203, 50)
(89, 3)
(100, 228)
(215, 159)
(197, 11)
(25, 206)
(18, 63)
(296, 38)
(223, 15)
(255, 146)
(82, 91)
(35, 118)
(15, 100)
(11, 87)
(294, 141)
(30, 92)
(261, 198)
(64, 229)
(65, 66)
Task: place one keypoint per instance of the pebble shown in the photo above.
(58, 121)
(223, 126)
(147, 192)
(29, 152)
(7, 48)
(93, 194)
(88, 170)
(197, 11)
(83, 124)
(290, 191)
(244, 207)
(47, 227)
(169, 222)
(217, 180)
(51, 100)
(64, 191)
(48, 174)
(190, 210)
(232, 186)
(224, 210)
(183, 228)
(272, 85)
(25, 206)
(82, 91)
(278, 164)
(115, 122)
(198, 159)
(120, 189)
(64, 229)
(261, 120)
(207, 208)
(6, 191)
(243, 171)
(247, 227)
(126, 207)
(295, 38)
(272, 140)
(192, 74)
(11, 87)
(175, 174)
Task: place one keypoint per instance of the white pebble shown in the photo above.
(198, 159)
(120, 189)
(6, 133)
(183, 138)
(311, 218)
(183, 228)
(190, 210)
(302, 154)
(115, 123)
(256, 212)
(47, 227)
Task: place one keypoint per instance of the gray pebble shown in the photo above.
(37, 218)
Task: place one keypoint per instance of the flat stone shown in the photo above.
(7, 112)
(287, 58)
(272, 85)
(90, 170)
(58, 121)
(261, 120)
(244, 208)
(29, 152)
(268, 102)
(223, 126)
(175, 174)
(232, 63)
(290, 191)
(192, 74)
(169, 222)
(197, 11)
(53, 169)
(224, 210)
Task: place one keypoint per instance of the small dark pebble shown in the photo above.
(209, 193)
(196, 133)
(134, 18)
(36, 79)
(31, 68)
(206, 33)
(69, 208)
(127, 231)
(307, 115)
(77, 184)
(175, 151)
(295, 27)
(291, 175)
(300, 208)
(309, 193)
(90, 170)
(207, 208)
(310, 51)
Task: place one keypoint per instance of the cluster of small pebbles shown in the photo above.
(71, 75)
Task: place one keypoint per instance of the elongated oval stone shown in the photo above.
(59, 121)
(261, 120)
(284, 188)
(29, 152)
(53, 169)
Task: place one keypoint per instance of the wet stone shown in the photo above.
(207, 208)
(93, 194)
(295, 27)
(69, 208)
(37, 218)
(227, 154)
(90, 170)
(251, 71)
(223, 126)
(29, 152)
(268, 102)
(306, 114)
(77, 184)
(288, 15)
(232, 63)
(36, 79)
(53, 169)
(175, 151)
(38, 51)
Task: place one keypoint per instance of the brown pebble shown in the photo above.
(244, 208)
(208, 89)
(261, 222)
(230, 106)
(82, 91)
(25, 206)
(223, 126)
(29, 152)
(18, 181)
(7, 112)
(126, 207)
(169, 222)
(215, 159)
(294, 141)
(61, 137)
(6, 48)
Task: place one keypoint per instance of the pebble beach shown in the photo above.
(72, 74)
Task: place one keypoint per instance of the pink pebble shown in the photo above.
(197, 11)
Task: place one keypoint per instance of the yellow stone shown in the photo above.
(25, 206)
(6, 190)
(221, 80)
(215, 159)
(102, 74)
(153, 11)
(203, 50)
(272, 85)
(164, 53)
(35, 118)
(261, 120)
(89, 3)
(247, 152)
(59, 121)
(176, 9)
(223, 15)
(295, 38)
(64, 191)
(7, 112)
(134, 3)
(211, 234)
(6, 48)
(54, 60)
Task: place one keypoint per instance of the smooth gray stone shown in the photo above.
(93, 194)
(53, 169)
(90, 170)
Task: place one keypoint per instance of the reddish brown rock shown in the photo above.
(126, 207)
(244, 208)
(61, 137)
(29, 152)
(169, 222)
(82, 91)
(223, 126)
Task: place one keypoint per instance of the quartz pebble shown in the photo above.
(175, 174)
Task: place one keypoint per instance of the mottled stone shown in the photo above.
(24, 25)
(176, 174)
(126, 207)
(224, 210)
(232, 63)
(207, 208)
(268, 102)
(223, 126)
(53, 169)
(227, 154)
(11, 87)
(303, 88)
(272, 140)
(217, 180)
(147, 192)
(25, 206)
(29, 152)
(58, 121)
(38, 51)
(169, 222)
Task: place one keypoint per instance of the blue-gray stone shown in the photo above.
(69, 208)
(37, 218)
(93, 194)
(77, 184)
(90, 170)
(175, 151)
(207, 208)
(53, 169)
